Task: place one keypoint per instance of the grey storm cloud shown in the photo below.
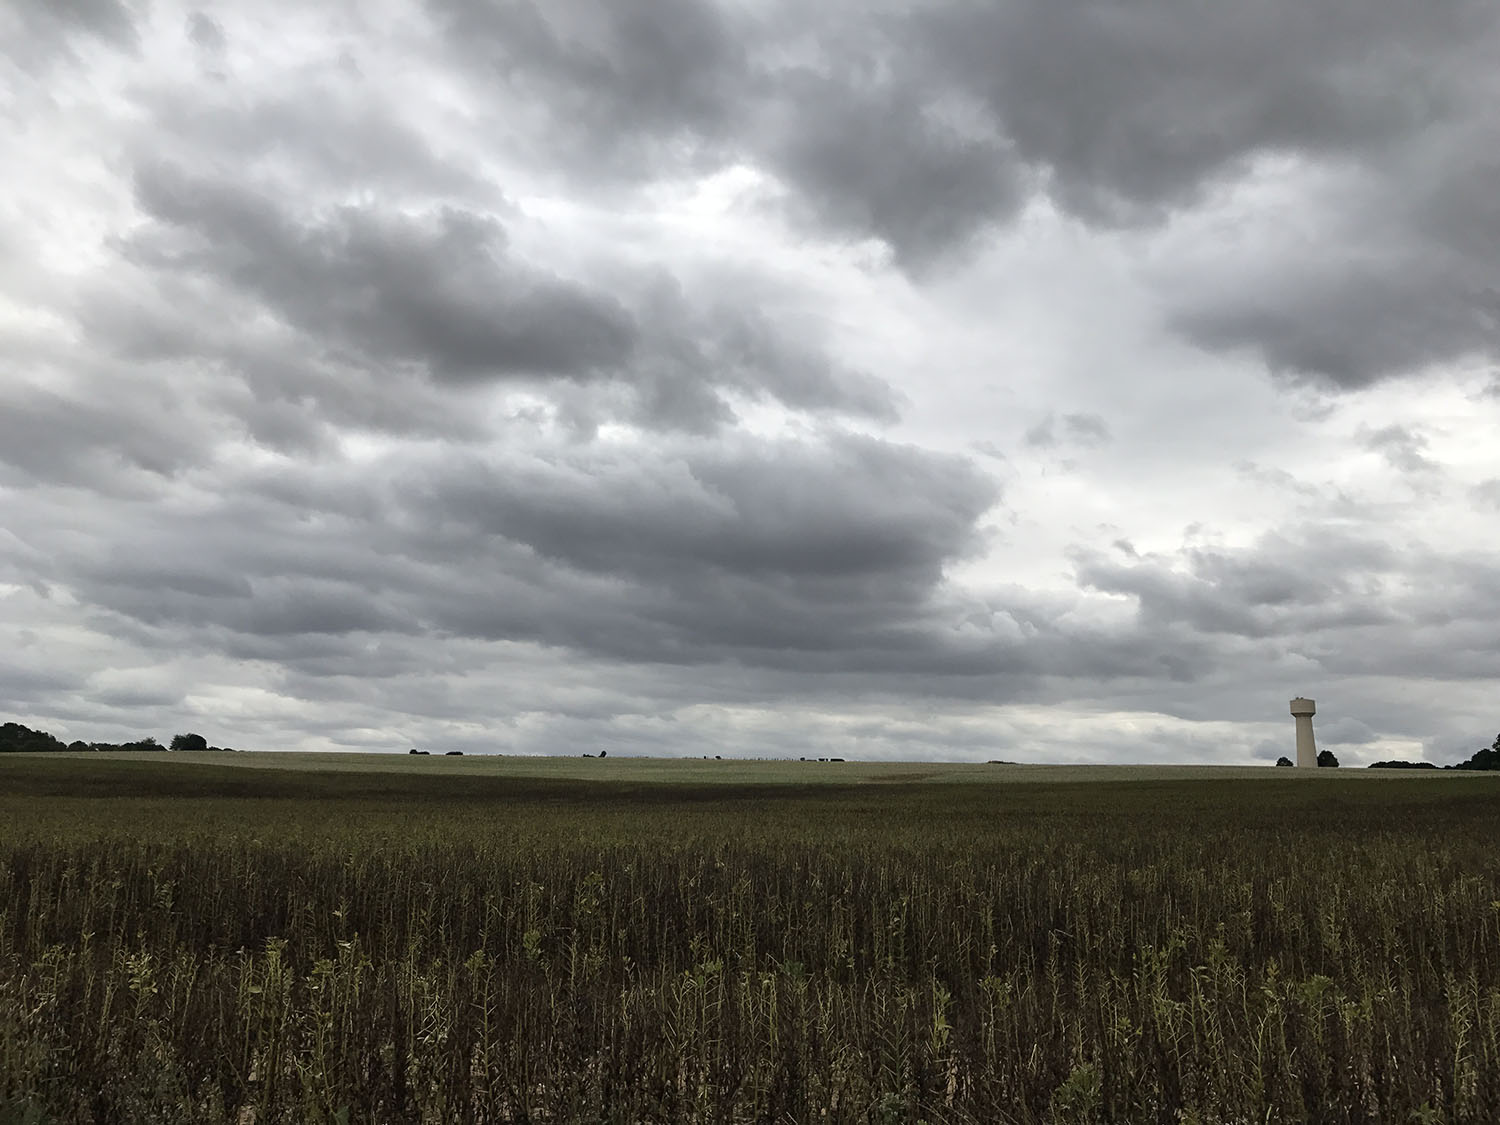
(442, 297)
(639, 74)
(1143, 105)
(1343, 606)
(439, 290)
(45, 26)
(869, 145)
(1403, 449)
(1355, 314)
(923, 126)
(833, 550)
(849, 508)
(820, 557)
(1140, 109)
(117, 447)
(1285, 587)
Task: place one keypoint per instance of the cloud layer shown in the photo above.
(1065, 380)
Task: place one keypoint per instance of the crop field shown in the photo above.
(488, 940)
(710, 771)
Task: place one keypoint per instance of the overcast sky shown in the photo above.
(1045, 380)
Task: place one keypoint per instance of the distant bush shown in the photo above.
(1397, 764)
(1483, 759)
(1283, 761)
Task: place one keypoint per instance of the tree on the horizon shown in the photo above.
(16, 739)
(1283, 761)
(1327, 760)
(192, 742)
(1483, 759)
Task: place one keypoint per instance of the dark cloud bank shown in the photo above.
(923, 126)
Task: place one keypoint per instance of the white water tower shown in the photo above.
(1307, 751)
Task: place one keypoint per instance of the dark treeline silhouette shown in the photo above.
(16, 739)
(1487, 759)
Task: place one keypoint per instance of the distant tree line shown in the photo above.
(1486, 759)
(16, 739)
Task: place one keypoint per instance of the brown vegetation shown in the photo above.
(435, 952)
